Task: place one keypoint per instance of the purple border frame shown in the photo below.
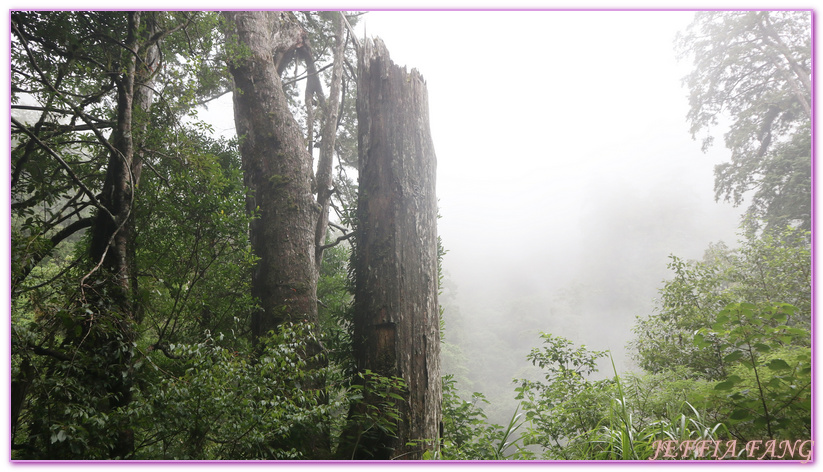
(381, 463)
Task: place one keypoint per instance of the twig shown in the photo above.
(338, 227)
(339, 240)
(304, 77)
(65, 166)
(351, 30)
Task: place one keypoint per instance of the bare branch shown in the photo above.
(351, 30)
(162, 347)
(337, 241)
(340, 228)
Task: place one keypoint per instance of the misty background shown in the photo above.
(566, 177)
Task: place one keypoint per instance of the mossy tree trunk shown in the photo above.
(396, 321)
(277, 169)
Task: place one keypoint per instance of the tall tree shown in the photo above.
(108, 329)
(83, 87)
(277, 169)
(754, 69)
(766, 270)
(396, 315)
(323, 182)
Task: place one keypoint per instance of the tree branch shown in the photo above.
(42, 351)
(65, 166)
(351, 30)
(340, 228)
(162, 347)
(38, 256)
(339, 240)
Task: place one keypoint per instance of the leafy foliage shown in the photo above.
(768, 388)
(754, 68)
(467, 434)
(564, 408)
(375, 411)
(193, 253)
(221, 403)
(573, 417)
(772, 268)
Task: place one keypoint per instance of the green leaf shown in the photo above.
(785, 339)
(740, 415)
(724, 385)
(733, 356)
(797, 331)
(760, 347)
(721, 323)
(778, 364)
(700, 341)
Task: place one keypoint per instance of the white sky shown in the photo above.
(538, 115)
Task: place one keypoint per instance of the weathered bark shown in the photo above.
(277, 170)
(396, 321)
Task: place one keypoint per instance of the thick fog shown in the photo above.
(566, 176)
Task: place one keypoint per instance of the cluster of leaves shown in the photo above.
(735, 328)
(570, 416)
(774, 267)
(335, 306)
(565, 406)
(193, 253)
(195, 262)
(375, 412)
(66, 415)
(210, 400)
(767, 391)
(764, 392)
(753, 68)
(467, 434)
(216, 402)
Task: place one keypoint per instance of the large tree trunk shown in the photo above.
(277, 170)
(109, 289)
(396, 321)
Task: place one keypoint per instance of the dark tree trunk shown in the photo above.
(109, 289)
(396, 321)
(277, 170)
